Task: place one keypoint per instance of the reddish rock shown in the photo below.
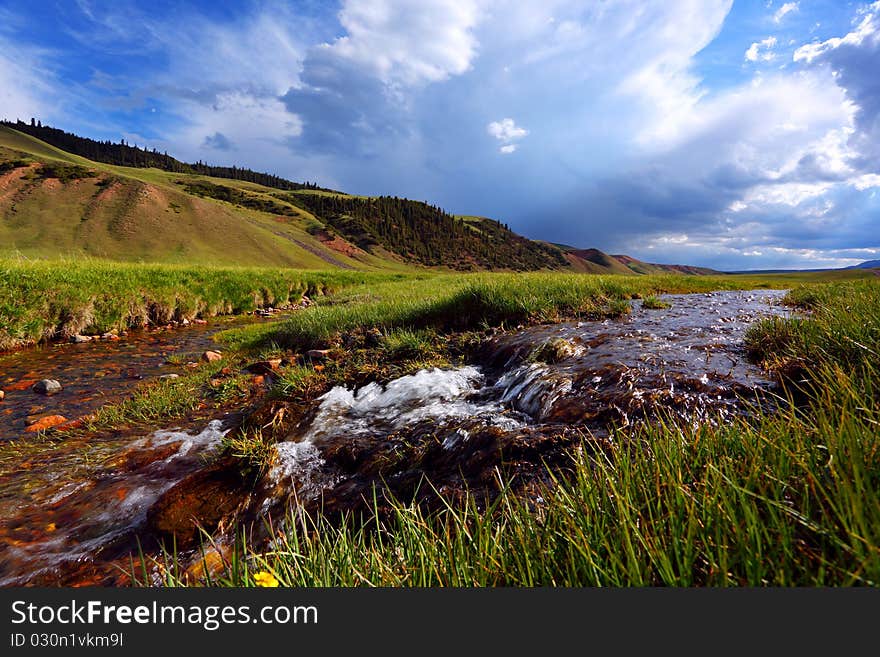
(205, 498)
(258, 380)
(24, 384)
(71, 425)
(212, 562)
(2, 395)
(47, 423)
(211, 356)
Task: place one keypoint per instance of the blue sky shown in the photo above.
(736, 135)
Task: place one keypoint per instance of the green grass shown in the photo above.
(842, 328)
(788, 498)
(153, 401)
(40, 300)
(653, 303)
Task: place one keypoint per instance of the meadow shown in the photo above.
(788, 497)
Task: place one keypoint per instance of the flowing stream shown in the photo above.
(687, 361)
(70, 512)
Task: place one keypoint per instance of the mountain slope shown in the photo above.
(55, 203)
(594, 261)
(641, 267)
(52, 203)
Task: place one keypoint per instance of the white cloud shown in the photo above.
(25, 84)
(409, 42)
(244, 117)
(866, 181)
(506, 130)
(755, 122)
(661, 41)
(784, 10)
(753, 54)
(789, 194)
(867, 28)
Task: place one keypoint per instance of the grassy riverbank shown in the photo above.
(788, 498)
(449, 303)
(42, 300)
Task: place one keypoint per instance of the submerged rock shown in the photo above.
(556, 350)
(47, 387)
(46, 422)
(203, 499)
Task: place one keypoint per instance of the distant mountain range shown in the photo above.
(868, 264)
(595, 261)
(65, 195)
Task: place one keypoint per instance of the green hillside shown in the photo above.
(53, 203)
(56, 204)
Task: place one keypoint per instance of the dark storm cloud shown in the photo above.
(343, 110)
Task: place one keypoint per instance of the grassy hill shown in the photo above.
(54, 203)
(640, 267)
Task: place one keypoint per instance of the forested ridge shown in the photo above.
(427, 234)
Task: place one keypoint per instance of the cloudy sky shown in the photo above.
(737, 135)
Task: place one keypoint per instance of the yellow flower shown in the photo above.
(263, 578)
